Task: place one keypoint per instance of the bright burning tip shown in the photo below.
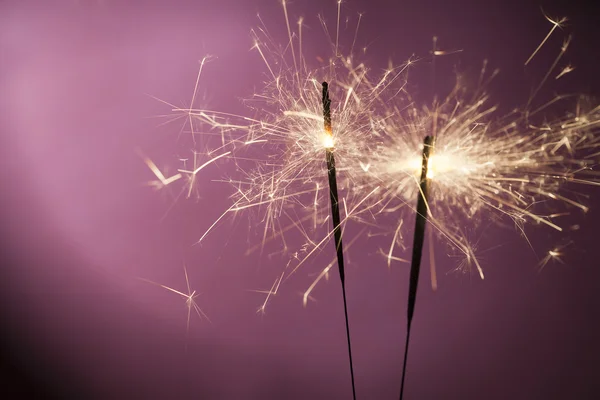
(439, 164)
(328, 140)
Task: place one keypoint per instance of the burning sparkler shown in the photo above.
(288, 127)
(503, 167)
(335, 214)
(419, 238)
(484, 167)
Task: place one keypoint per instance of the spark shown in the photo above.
(162, 180)
(563, 50)
(553, 255)
(192, 174)
(193, 101)
(325, 271)
(337, 33)
(559, 23)
(269, 293)
(565, 70)
(360, 15)
(287, 21)
(396, 235)
(190, 298)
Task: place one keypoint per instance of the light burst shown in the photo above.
(485, 166)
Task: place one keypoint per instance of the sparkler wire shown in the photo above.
(335, 214)
(418, 240)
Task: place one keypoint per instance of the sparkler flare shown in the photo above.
(288, 127)
(486, 167)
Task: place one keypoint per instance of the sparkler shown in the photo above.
(335, 214)
(485, 167)
(419, 238)
(488, 168)
(288, 127)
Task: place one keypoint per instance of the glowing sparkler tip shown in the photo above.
(328, 141)
(427, 153)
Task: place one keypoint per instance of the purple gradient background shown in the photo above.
(78, 225)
